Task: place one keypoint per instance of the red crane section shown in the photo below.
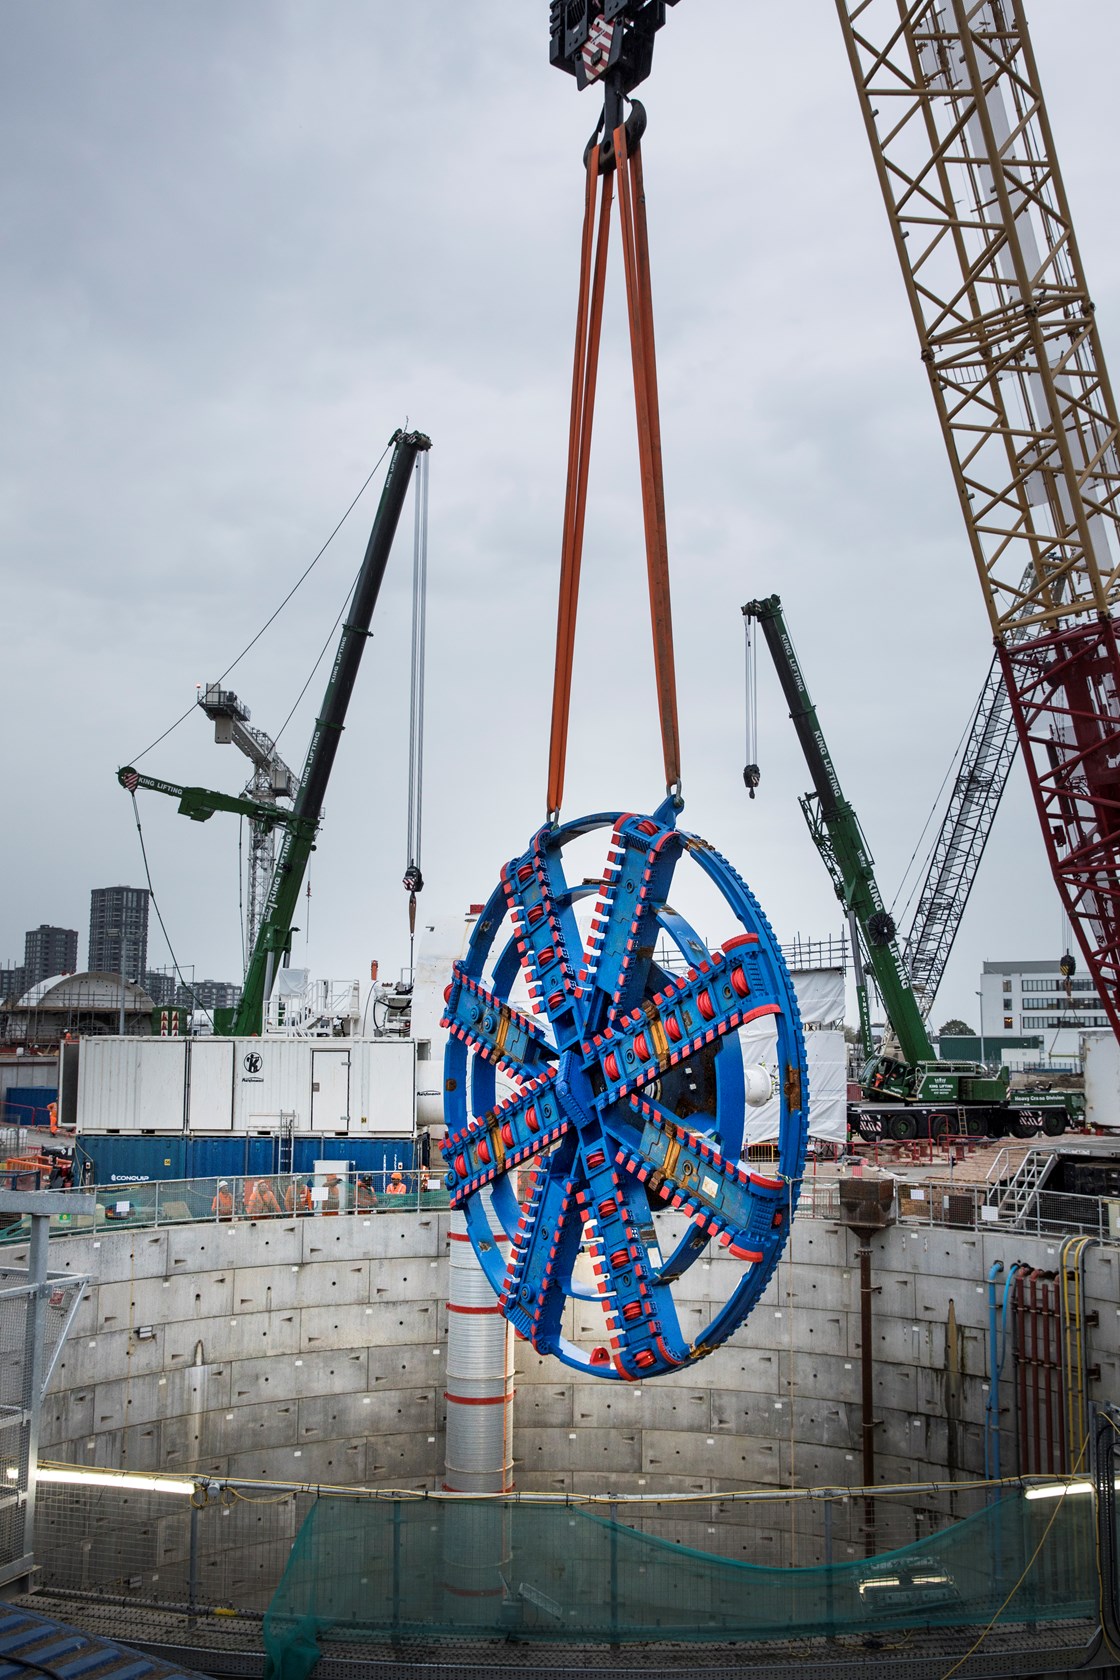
(965, 158)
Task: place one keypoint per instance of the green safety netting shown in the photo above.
(383, 1570)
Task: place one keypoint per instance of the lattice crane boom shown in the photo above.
(271, 780)
(954, 857)
(965, 159)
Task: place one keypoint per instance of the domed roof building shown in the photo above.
(78, 1004)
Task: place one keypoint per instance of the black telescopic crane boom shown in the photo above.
(274, 938)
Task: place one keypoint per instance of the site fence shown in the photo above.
(316, 1569)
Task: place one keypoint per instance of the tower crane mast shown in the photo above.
(270, 782)
(965, 158)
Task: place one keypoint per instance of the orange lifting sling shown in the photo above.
(627, 159)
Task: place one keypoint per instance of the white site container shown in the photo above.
(210, 1085)
(383, 1087)
(272, 1078)
(132, 1084)
(1100, 1059)
(206, 1086)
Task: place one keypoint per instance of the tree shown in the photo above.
(957, 1029)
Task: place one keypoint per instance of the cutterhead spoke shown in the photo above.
(545, 930)
(492, 1028)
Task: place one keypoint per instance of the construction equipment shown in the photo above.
(961, 143)
(270, 782)
(200, 803)
(989, 752)
(300, 825)
(627, 1097)
(907, 1091)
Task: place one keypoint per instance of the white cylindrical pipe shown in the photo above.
(479, 1394)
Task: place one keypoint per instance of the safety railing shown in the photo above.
(161, 1202)
(1049, 1212)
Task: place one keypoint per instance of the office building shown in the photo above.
(48, 951)
(1036, 998)
(209, 994)
(118, 931)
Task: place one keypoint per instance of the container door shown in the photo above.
(383, 1091)
(159, 1069)
(262, 1154)
(330, 1090)
(128, 1160)
(210, 1093)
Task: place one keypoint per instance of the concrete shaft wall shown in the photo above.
(314, 1350)
(779, 1405)
(309, 1350)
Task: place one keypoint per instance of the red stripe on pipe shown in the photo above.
(452, 1307)
(493, 1400)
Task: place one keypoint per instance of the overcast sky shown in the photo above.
(244, 242)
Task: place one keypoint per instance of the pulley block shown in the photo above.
(595, 1125)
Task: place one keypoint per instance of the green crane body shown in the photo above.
(301, 825)
(914, 1075)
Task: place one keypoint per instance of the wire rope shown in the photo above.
(416, 682)
(319, 658)
(750, 690)
(958, 751)
(159, 915)
(304, 575)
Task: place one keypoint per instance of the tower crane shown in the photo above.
(270, 782)
(300, 825)
(965, 159)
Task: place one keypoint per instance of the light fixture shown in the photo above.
(1057, 1490)
(125, 1479)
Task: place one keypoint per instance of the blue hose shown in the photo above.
(995, 1363)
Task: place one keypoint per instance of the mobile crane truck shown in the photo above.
(907, 1092)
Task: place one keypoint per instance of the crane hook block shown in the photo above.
(595, 1088)
(588, 38)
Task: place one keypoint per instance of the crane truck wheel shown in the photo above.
(904, 1127)
(939, 1127)
(1053, 1124)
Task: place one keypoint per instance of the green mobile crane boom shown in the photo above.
(274, 940)
(838, 837)
(200, 803)
(908, 1092)
(301, 825)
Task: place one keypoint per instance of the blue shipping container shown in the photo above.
(28, 1105)
(374, 1155)
(231, 1157)
(130, 1160)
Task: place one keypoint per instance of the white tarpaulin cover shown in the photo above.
(820, 995)
(828, 1088)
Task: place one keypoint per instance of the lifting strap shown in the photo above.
(589, 320)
